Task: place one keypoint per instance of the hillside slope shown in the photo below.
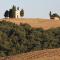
(36, 23)
(50, 54)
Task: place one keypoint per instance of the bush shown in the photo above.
(16, 39)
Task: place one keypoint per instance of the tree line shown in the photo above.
(11, 12)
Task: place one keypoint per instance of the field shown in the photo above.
(47, 54)
(50, 54)
(36, 22)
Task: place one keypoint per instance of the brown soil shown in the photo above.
(50, 54)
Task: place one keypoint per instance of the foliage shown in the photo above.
(6, 14)
(11, 12)
(22, 13)
(16, 39)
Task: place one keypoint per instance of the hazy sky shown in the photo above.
(32, 8)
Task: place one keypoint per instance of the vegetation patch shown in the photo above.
(16, 39)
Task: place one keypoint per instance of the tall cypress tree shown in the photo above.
(50, 14)
(13, 11)
(6, 14)
(10, 13)
(22, 13)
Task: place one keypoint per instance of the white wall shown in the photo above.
(56, 18)
(17, 14)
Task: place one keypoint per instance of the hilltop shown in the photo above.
(36, 22)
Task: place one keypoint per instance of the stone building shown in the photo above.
(17, 13)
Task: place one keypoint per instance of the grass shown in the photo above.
(36, 22)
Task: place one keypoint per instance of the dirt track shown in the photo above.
(50, 54)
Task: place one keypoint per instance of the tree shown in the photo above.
(6, 14)
(56, 15)
(12, 12)
(22, 13)
(50, 14)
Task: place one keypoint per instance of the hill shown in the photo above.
(36, 22)
(50, 54)
(17, 39)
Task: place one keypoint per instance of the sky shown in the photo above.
(32, 8)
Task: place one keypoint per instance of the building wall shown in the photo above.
(17, 14)
(56, 18)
